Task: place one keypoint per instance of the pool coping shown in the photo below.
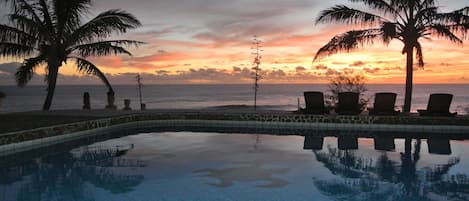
(24, 140)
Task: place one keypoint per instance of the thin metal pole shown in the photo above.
(139, 81)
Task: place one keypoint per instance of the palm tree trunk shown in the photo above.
(51, 82)
(409, 80)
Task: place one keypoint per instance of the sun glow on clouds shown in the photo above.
(209, 41)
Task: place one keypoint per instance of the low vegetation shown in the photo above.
(347, 83)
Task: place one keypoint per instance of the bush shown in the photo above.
(347, 83)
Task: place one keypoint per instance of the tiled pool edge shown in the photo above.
(56, 134)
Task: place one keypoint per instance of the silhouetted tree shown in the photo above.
(347, 83)
(405, 20)
(48, 33)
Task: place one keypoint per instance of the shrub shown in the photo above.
(347, 83)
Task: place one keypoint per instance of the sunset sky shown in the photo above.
(209, 42)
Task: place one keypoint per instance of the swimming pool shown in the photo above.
(214, 166)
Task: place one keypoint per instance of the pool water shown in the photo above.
(170, 166)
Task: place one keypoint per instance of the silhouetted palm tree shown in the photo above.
(48, 33)
(405, 20)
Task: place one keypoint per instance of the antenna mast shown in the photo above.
(257, 61)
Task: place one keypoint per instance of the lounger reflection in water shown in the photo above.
(440, 146)
(384, 143)
(347, 142)
(314, 143)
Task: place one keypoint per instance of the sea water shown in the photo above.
(270, 97)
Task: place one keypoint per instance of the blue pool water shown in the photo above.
(170, 166)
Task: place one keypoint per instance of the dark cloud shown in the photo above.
(162, 72)
(7, 75)
(339, 63)
(236, 69)
(371, 70)
(300, 69)
(210, 75)
(332, 72)
(320, 67)
(357, 64)
(9, 68)
(396, 68)
(348, 71)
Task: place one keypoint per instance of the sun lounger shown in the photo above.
(314, 102)
(384, 104)
(438, 105)
(348, 103)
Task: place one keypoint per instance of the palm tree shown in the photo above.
(405, 20)
(48, 33)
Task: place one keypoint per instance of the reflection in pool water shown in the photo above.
(208, 166)
(251, 173)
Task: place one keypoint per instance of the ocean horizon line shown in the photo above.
(231, 84)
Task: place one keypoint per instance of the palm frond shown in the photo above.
(444, 31)
(44, 8)
(84, 66)
(456, 21)
(25, 72)
(344, 14)
(348, 41)
(455, 17)
(15, 50)
(104, 48)
(464, 10)
(23, 7)
(68, 14)
(379, 5)
(419, 55)
(389, 32)
(404, 5)
(427, 3)
(103, 26)
(426, 13)
(28, 25)
(15, 35)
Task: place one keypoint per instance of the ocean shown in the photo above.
(271, 97)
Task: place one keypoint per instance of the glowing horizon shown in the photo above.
(192, 43)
